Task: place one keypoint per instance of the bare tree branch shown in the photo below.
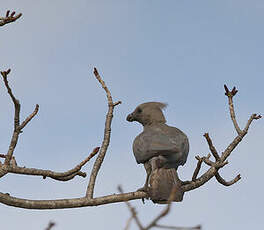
(132, 210)
(154, 222)
(220, 161)
(10, 165)
(227, 183)
(128, 223)
(69, 203)
(64, 176)
(230, 95)
(197, 169)
(29, 118)
(9, 18)
(211, 146)
(106, 140)
(16, 131)
(50, 225)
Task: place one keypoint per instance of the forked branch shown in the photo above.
(10, 165)
(220, 161)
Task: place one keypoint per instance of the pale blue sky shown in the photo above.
(173, 51)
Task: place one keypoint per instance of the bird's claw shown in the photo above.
(144, 189)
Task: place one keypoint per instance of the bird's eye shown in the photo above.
(139, 110)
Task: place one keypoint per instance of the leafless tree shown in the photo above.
(9, 165)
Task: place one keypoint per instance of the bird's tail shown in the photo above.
(162, 181)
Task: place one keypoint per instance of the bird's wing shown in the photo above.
(167, 141)
(148, 145)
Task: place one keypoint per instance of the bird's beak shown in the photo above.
(130, 117)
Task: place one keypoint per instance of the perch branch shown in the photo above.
(106, 139)
(9, 200)
(9, 18)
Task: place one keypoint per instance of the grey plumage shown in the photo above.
(161, 148)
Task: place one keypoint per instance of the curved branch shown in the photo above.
(64, 176)
(222, 181)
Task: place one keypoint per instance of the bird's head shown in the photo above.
(148, 113)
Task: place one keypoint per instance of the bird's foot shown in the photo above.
(144, 189)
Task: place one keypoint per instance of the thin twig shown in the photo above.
(9, 18)
(50, 225)
(128, 223)
(132, 210)
(211, 146)
(28, 119)
(252, 117)
(197, 169)
(230, 95)
(222, 181)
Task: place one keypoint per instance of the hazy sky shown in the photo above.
(180, 52)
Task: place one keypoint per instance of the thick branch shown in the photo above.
(9, 18)
(69, 203)
(106, 140)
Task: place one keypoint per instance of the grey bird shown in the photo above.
(161, 148)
